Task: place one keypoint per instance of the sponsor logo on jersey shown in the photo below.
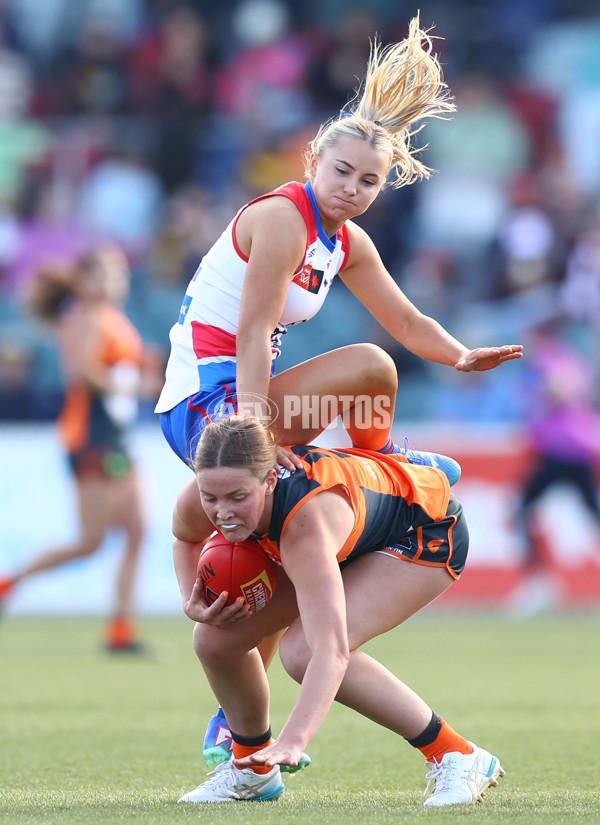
(184, 309)
(309, 278)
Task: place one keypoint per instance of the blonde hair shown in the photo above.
(237, 441)
(403, 84)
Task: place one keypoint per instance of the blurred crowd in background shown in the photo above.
(150, 122)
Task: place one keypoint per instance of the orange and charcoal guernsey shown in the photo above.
(391, 498)
(87, 417)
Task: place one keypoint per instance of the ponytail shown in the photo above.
(403, 85)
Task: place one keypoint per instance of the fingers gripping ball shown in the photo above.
(242, 569)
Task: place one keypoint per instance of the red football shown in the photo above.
(242, 569)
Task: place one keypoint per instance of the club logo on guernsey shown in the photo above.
(309, 278)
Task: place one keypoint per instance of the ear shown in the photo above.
(271, 482)
(312, 165)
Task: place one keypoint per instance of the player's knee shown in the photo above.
(88, 546)
(377, 366)
(294, 657)
(209, 655)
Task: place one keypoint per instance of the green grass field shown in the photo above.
(86, 737)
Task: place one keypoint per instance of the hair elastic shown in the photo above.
(344, 113)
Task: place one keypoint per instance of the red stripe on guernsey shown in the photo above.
(211, 341)
(343, 233)
(299, 196)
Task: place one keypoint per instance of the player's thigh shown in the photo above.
(340, 371)
(383, 591)
(126, 497)
(93, 496)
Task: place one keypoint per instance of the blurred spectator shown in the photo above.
(341, 52)
(91, 77)
(38, 240)
(564, 438)
(46, 28)
(121, 199)
(22, 140)
(264, 82)
(564, 59)
(193, 220)
(537, 110)
(580, 292)
(9, 36)
(428, 278)
(172, 79)
(477, 153)
(528, 255)
(9, 233)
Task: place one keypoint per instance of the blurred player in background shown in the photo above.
(106, 370)
(564, 438)
(366, 540)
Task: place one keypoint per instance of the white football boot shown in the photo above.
(461, 779)
(230, 784)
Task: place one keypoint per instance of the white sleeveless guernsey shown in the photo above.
(203, 340)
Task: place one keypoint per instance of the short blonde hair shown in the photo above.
(403, 84)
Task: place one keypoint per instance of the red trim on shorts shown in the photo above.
(201, 410)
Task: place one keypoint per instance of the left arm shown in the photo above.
(368, 279)
(309, 547)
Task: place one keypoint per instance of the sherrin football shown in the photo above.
(242, 569)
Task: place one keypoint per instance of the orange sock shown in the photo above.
(447, 741)
(239, 751)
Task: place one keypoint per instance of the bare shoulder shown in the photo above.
(188, 514)
(274, 219)
(188, 500)
(276, 210)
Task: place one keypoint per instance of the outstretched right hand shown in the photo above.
(217, 614)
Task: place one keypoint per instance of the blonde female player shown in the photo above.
(274, 265)
(340, 525)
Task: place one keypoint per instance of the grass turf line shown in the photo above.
(86, 737)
